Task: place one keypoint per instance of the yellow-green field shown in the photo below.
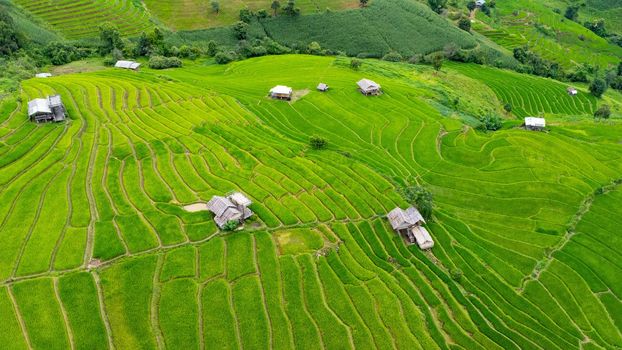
(97, 252)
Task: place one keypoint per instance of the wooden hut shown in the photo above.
(49, 109)
(127, 65)
(233, 207)
(572, 91)
(281, 92)
(409, 223)
(43, 75)
(534, 123)
(368, 87)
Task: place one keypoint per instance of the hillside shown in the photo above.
(199, 14)
(535, 23)
(528, 219)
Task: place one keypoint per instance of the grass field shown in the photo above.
(523, 215)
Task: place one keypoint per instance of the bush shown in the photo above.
(61, 53)
(240, 29)
(465, 24)
(419, 197)
(160, 62)
(507, 107)
(355, 63)
(617, 83)
(393, 57)
(491, 123)
(598, 87)
(456, 274)
(318, 142)
(223, 57)
(604, 112)
(230, 225)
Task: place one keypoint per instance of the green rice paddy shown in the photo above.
(97, 251)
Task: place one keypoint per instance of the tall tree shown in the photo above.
(110, 38)
(10, 40)
(216, 7)
(363, 3)
(276, 5)
(437, 5)
(572, 12)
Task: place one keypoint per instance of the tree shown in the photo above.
(363, 3)
(620, 68)
(216, 7)
(314, 48)
(419, 197)
(393, 56)
(355, 63)
(437, 5)
(598, 87)
(603, 112)
(471, 6)
(240, 29)
(10, 40)
(456, 274)
(317, 142)
(291, 9)
(276, 5)
(437, 61)
(491, 123)
(143, 45)
(597, 26)
(110, 38)
(572, 12)
(61, 53)
(617, 83)
(465, 24)
(246, 15)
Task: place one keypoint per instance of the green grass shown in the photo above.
(140, 146)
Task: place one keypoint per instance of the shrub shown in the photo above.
(437, 5)
(572, 12)
(604, 112)
(318, 142)
(419, 197)
(160, 62)
(507, 107)
(223, 57)
(617, 83)
(61, 53)
(598, 87)
(465, 24)
(456, 274)
(230, 225)
(314, 48)
(393, 57)
(491, 123)
(355, 63)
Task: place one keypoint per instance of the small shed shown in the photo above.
(127, 65)
(422, 237)
(43, 75)
(572, 91)
(368, 87)
(534, 123)
(480, 3)
(49, 109)
(322, 87)
(234, 207)
(281, 92)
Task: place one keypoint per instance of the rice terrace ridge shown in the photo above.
(310, 174)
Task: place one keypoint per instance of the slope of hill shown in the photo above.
(523, 215)
(548, 33)
(199, 14)
(80, 19)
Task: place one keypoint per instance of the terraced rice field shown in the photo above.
(71, 17)
(198, 14)
(529, 95)
(516, 211)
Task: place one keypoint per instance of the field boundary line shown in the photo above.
(20, 319)
(102, 309)
(70, 335)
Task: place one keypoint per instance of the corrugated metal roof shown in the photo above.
(39, 105)
(240, 199)
(127, 64)
(43, 75)
(366, 85)
(322, 87)
(402, 219)
(281, 90)
(423, 238)
(536, 122)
